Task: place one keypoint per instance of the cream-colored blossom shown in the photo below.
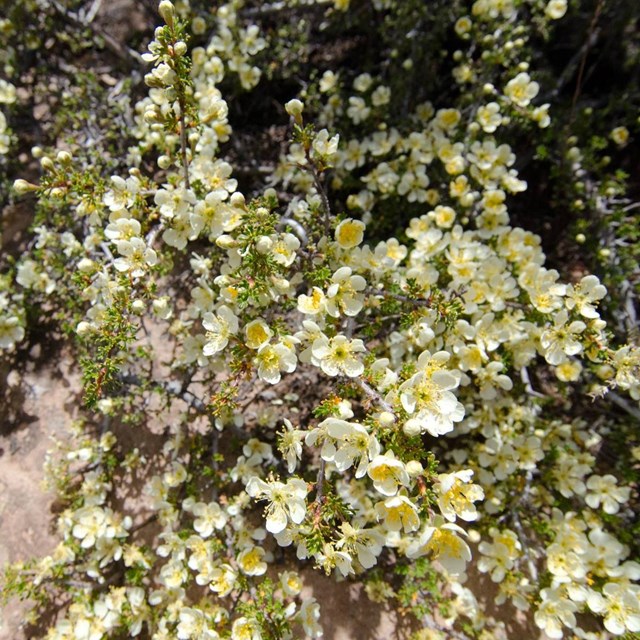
(220, 327)
(398, 513)
(387, 473)
(521, 89)
(456, 495)
(337, 356)
(349, 233)
(286, 501)
(444, 541)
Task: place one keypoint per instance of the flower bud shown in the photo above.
(264, 244)
(161, 307)
(47, 164)
(151, 115)
(137, 306)
(237, 200)
(167, 11)
(412, 428)
(86, 265)
(63, 157)
(83, 328)
(22, 186)
(180, 48)
(164, 162)
(225, 241)
(294, 108)
(605, 372)
(414, 468)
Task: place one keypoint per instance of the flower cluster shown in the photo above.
(398, 407)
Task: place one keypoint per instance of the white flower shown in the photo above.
(284, 249)
(122, 229)
(313, 304)
(223, 580)
(398, 513)
(456, 495)
(324, 146)
(366, 544)
(521, 89)
(11, 331)
(427, 397)
(122, 193)
(92, 523)
(286, 501)
(7, 92)
(556, 9)
(499, 556)
(583, 296)
(328, 81)
(562, 339)
(245, 629)
(489, 379)
(620, 135)
(208, 517)
(387, 472)
(343, 294)
(605, 490)
(193, 625)
(336, 356)
(273, 359)
(565, 565)
(344, 443)
(220, 327)
(568, 475)
(358, 110)
(349, 233)
(291, 583)
(309, 616)
(489, 117)
(251, 561)
(554, 612)
(213, 216)
(136, 257)
(290, 445)
(620, 607)
(330, 558)
(444, 541)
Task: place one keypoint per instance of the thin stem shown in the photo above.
(524, 375)
(124, 53)
(183, 142)
(624, 405)
(328, 215)
(374, 395)
(320, 483)
(397, 296)
(214, 457)
(325, 200)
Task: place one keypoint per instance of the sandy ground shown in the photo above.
(43, 401)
